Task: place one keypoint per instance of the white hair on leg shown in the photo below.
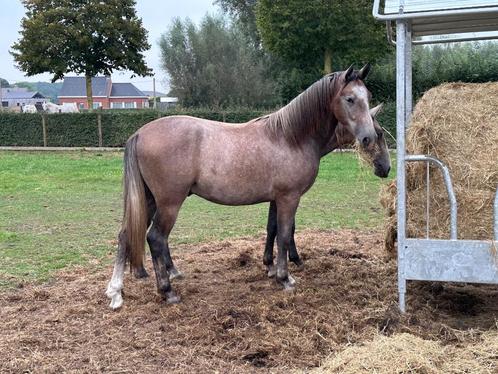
(116, 285)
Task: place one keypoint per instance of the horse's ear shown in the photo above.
(364, 71)
(349, 73)
(375, 111)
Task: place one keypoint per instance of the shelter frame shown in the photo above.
(439, 21)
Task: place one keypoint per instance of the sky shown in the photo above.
(156, 16)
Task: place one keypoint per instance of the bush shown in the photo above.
(21, 129)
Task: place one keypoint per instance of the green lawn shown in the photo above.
(62, 209)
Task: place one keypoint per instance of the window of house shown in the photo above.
(97, 105)
(130, 105)
(116, 105)
(82, 106)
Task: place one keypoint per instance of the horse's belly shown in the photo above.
(231, 194)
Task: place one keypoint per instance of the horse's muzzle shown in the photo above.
(381, 171)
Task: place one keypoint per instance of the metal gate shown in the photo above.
(427, 22)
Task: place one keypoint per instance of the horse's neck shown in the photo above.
(328, 141)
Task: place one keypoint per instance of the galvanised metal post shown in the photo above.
(401, 39)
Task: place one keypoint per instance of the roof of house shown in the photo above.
(12, 94)
(76, 87)
(101, 87)
(126, 90)
(151, 93)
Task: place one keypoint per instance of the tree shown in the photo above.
(244, 12)
(214, 64)
(319, 36)
(4, 83)
(88, 37)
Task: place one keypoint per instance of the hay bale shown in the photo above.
(407, 353)
(457, 123)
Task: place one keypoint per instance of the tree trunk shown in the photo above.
(89, 93)
(327, 65)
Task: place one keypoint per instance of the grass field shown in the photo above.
(64, 209)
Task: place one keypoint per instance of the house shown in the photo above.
(106, 94)
(18, 97)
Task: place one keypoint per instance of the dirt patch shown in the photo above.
(232, 317)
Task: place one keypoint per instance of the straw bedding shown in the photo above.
(457, 123)
(233, 319)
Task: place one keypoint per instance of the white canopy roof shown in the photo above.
(447, 20)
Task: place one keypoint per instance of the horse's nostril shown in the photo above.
(365, 141)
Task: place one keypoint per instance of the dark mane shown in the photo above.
(306, 114)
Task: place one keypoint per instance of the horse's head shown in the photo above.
(379, 154)
(350, 106)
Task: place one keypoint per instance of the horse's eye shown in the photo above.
(350, 100)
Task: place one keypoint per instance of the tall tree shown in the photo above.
(214, 64)
(87, 37)
(244, 12)
(318, 36)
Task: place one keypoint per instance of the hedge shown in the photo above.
(21, 129)
(81, 129)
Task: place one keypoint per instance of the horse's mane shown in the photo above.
(306, 114)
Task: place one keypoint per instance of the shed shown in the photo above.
(425, 22)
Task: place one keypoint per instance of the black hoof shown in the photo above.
(140, 273)
(299, 264)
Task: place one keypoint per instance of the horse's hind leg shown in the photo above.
(139, 270)
(159, 242)
(157, 237)
(116, 284)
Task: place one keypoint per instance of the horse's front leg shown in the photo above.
(286, 211)
(271, 234)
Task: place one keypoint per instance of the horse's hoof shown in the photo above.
(299, 265)
(172, 298)
(140, 273)
(175, 274)
(289, 284)
(116, 301)
(272, 271)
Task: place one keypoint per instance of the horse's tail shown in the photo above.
(135, 205)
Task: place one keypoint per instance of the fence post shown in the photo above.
(99, 126)
(44, 128)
